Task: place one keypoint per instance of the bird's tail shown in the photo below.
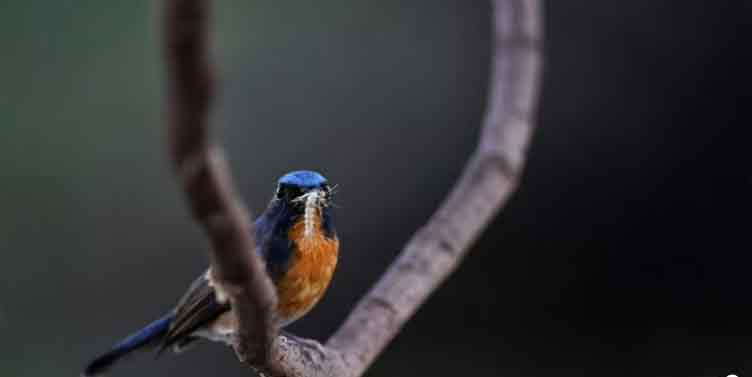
(148, 336)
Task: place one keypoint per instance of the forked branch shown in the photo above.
(491, 175)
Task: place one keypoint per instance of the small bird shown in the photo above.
(295, 235)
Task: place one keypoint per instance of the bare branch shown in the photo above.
(491, 175)
(206, 179)
(489, 178)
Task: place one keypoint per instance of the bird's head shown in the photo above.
(304, 190)
(307, 195)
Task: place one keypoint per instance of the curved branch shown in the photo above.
(489, 178)
(206, 178)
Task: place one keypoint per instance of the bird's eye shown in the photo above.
(294, 192)
(288, 192)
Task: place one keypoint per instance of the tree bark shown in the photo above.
(206, 180)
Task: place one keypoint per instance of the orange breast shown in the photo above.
(309, 273)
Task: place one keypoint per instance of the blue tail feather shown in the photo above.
(149, 335)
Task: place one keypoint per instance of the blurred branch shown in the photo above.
(491, 175)
(206, 179)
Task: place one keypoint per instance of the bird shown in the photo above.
(296, 238)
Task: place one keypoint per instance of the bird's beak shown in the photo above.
(311, 198)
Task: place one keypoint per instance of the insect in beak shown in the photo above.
(314, 201)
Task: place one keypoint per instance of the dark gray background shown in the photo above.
(625, 252)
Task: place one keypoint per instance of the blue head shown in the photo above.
(303, 179)
(294, 187)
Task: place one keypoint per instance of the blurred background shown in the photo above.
(626, 251)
